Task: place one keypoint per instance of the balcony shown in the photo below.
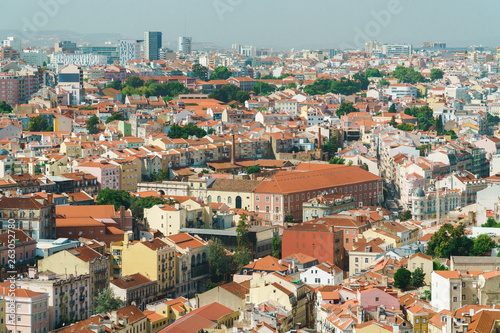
(199, 270)
(184, 267)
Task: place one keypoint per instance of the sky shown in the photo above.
(279, 24)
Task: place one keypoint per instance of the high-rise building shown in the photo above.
(373, 46)
(65, 47)
(185, 45)
(111, 51)
(14, 43)
(71, 79)
(130, 49)
(152, 45)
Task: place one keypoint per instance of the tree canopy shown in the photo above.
(324, 86)
(134, 82)
(178, 132)
(417, 277)
(38, 124)
(219, 260)
(263, 88)
(407, 75)
(436, 74)
(5, 108)
(337, 160)
(491, 223)
(345, 108)
(424, 115)
(200, 72)
(106, 301)
(276, 247)
(244, 253)
(92, 123)
(115, 116)
(220, 73)
(253, 169)
(228, 93)
(402, 278)
(331, 146)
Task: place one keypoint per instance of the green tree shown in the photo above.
(393, 122)
(5, 108)
(483, 244)
(406, 216)
(407, 75)
(331, 146)
(263, 88)
(253, 169)
(92, 123)
(289, 219)
(115, 116)
(134, 82)
(450, 241)
(405, 127)
(392, 108)
(229, 92)
(220, 73)
(384, 83)
(137, 205)
(373, 72)
(220, 262)
(200, 72)
(436, 266)
(277, 247)
(116, 198)
(115, 85)
(350, 163)
(324, 86)
(436, 74)
(243, 254)
(439, 125)
(178, 132)
(418, 277)
(38, 124)
(402, 278)
(337, 160)
(345, 108)
(106, 301)
(490, 223)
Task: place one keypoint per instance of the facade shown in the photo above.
(82, 260)
(364, 254)
(107, 174)
(135, 289)
(24, 250)
(34, 215)
(152, 45)
(452, 289)
(429, 205)
(323, 274)
(155, 260)
(31, 310)
(68, 296)
(130, 49)
(325, 205)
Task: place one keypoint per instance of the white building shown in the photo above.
(80, 59)
(400, 90)
(130, 49)
(427, 205)
(185, 45)
(35, 57)
(14, 43)
(323, 274)
(486, 200)
(397, 50)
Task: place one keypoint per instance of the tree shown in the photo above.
(373, 72)
(253, 169)
(323, 86)
(350, 163)
(402, 278)
(115, 116)
(116, 198)
(450, 241)
(220, 73)
(392, 108)
(92, 123)
(106, 301)
(263, 88)
(134, 82)
(365, 166)
(38, 124)
(243, 254)
(406, 216)
(219, 260)
(439, 125)
(345, 108)
(393, 122)
(418, 277)
(405, 127)
(490, 223)
(337, 160)
(332, 145)
(228, 92)
(436, 74)
(115, 85)
(436, 266)
(482, 244)
(289, 219)
(178, 132)
(384, 83)
(200, 72)
(277, 247)
(5, 108)
(407, 75)
(137, 205)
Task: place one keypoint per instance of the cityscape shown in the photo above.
(212, 176)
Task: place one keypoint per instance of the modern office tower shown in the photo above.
(152, 45)
(65, 47)
(112, 51)
(130, 49)
(185, 45)
(71, 79)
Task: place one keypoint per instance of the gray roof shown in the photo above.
(235, 185)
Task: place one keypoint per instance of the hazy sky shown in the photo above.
(282, 24)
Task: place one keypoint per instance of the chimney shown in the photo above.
(233, 150)
(319, 138)
(122, 217)
(50, 198)
(126, 239)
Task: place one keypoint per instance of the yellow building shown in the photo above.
(156, 321)
(373, 326)
(2, 315)
(423, 261)
(130, 173)
(419, 317)
(80, 260)
(174, 309)
(71, 149)
(153, 259)
(116, 250)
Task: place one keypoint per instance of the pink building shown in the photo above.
(490, 144)
(115, 73)
(409, 184)
(31, 312)
(371, 297)
(107, 174)
(25, 249)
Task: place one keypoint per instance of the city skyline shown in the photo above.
(325, 25)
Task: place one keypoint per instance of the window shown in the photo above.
(356, 260)
(277, 199)
(463, 284)
(347, 232)
(454, 299)
(417, 321)
(376, 299)
(257, 198)
(366, 260)
(464, 297)
(267, 209)
(347, 240)
(229, 200)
